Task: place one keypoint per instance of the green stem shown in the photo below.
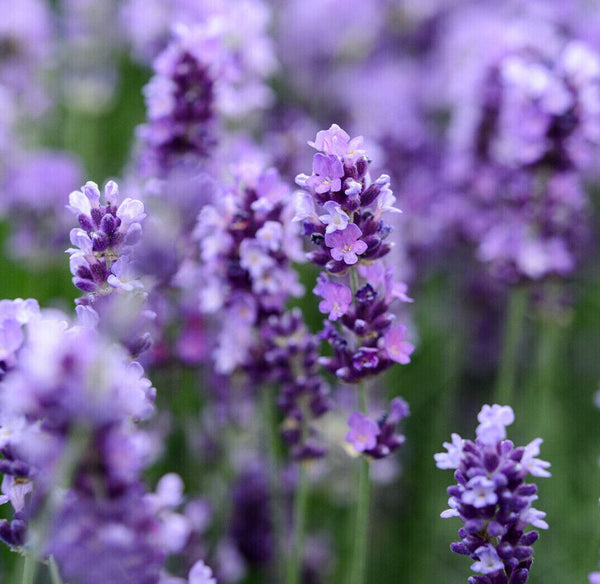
(300, 506)
(54, 573)
(30, 568)
(361, 526)
(513, 326)
(358, 564)
(539, 400)
(274, 454)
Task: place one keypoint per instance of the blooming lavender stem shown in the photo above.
(492, 499)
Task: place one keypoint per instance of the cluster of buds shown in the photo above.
(493, 500)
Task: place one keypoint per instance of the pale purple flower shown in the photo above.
(480, 492)
(327, 174)
(270, 235)
(336, 219)
(254, 258)
(363, 432)
(124, 276)
(304, 205)
(337, 142)
(130, 210)
(450, 459)
(396, 345)
(201, 574)
(488, 560)
(15, 490)
(534, 466)
(336, 297)
(493, 421)
(346, 244)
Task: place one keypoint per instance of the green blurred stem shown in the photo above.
(30, 568)
(540, 398)
(274, 454)
(54, 573)
(513, 327)
(358, 564)
(300, 506)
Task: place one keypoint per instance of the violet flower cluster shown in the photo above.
(247, 245)
(102, 261)
(69, 410)
(180, 100)
(520, 148)
(206, 74)
(291, 355)
(342, 210)
(378, 439)
(493, 499)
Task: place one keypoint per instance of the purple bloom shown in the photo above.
(336, 218)
(336, 298)
(336, 141)
(346, 244)
(363, 432)
(200, 573)
(492, 499)
(327, 174)
(365, 358)
(488, 561)
(379, 439)
(396, 345)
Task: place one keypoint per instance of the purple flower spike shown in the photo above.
(493, 500)
(363, 432)
(345, 245)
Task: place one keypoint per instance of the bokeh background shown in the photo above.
(413, 77)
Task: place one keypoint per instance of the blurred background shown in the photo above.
(486, 115)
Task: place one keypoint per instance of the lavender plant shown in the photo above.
(341, 208)
(493, 500)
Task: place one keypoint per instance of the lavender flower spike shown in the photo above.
(493, 500)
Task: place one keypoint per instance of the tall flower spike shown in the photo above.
(101, 260)
(247, 243)
(493, 500)
(343, 211)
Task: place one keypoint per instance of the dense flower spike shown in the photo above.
(68, 407)
(180, 100)
(521, 141)
(342, 210)
(291, 356)
(493, 500)
(247, 243)
(101, 262)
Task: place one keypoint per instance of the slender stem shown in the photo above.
(274, 454)
(513, 325)
(358, 564)
(30, 568)
(54, 573)
(539, 402)
(300, 506)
